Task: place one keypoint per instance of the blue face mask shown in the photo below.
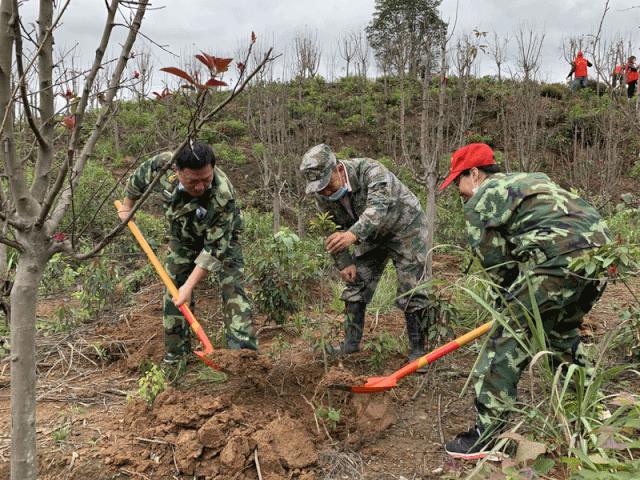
(338, 194)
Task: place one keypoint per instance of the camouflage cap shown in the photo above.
(317, 165)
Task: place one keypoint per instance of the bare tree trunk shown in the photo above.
(24, 297)
(433, 161)
(431, 172)
(403, 128)
(116, 136)
(277, 209)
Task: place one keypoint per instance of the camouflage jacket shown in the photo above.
(205, 224)
(381, 206)
(522, 220)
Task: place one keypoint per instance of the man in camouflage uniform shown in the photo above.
(525, 230)
(379, 214)
(205, 224)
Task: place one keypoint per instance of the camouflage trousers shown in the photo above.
(562, 300)
(407, 250)
(239, 329)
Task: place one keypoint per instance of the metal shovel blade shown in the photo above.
(376, 384)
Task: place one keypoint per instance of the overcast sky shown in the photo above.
(218, 27)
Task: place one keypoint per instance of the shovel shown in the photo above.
(382, 384)
(186, 311)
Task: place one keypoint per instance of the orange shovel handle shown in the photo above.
(442, 351)
(186, 311)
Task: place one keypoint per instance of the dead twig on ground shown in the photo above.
(313, 410)
(153, 440)
(257, 462)
(440, 420)
(134, 474)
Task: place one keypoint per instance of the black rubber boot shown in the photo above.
(353, 329)
(416, 330)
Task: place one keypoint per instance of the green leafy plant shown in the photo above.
(228, 153)
(207, 375)
(278, 345)
(282, 273)
(61, 433)
(330, 416)
(152, 384)
(98, 280)
(381, 347)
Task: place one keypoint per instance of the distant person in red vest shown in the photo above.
(579, 70)
(631, 76)
(617, 76)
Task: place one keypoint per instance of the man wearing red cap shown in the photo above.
(579, 68)
(524, 229)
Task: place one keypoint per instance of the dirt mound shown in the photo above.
(242, 363)
(211, 437)
(339, 376)
(284, 445)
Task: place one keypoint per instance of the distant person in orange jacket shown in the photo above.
(579, 70)
(617, 76)
(631, 76)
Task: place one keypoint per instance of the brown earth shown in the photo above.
(269, 409)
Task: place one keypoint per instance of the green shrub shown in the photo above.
(474, 137)
(347, 152)
(98, 278)
(553, 90)
(381, 347)
(626, 225)
(152, 384)
(232, 128)
(282, 273)
(227, 153)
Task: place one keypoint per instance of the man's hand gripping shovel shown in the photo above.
(382, 384)
(186, 311)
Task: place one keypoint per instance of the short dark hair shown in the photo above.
(195, 155)
(488, 169)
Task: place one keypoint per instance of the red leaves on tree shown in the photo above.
(69, 121)
(253, 37)
(180, 73)
(162, 95)
(59, 236)
(214, 82)
(240, 66)
(136, 74)
(215, 65)
(68, 94)
(222, 64)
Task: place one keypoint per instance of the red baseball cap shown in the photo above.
(473, 155)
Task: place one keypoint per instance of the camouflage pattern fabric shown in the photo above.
(407, 250)
(204, 231)
(389, 223)
(525, 229)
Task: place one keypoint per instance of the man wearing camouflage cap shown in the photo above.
(525, 230)
(204, 223)
(378, 214)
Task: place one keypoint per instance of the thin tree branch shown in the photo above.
(23, 88)
(82, 104)
(22, 200)
(47, 99)
(11, 244)
(33, 60)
